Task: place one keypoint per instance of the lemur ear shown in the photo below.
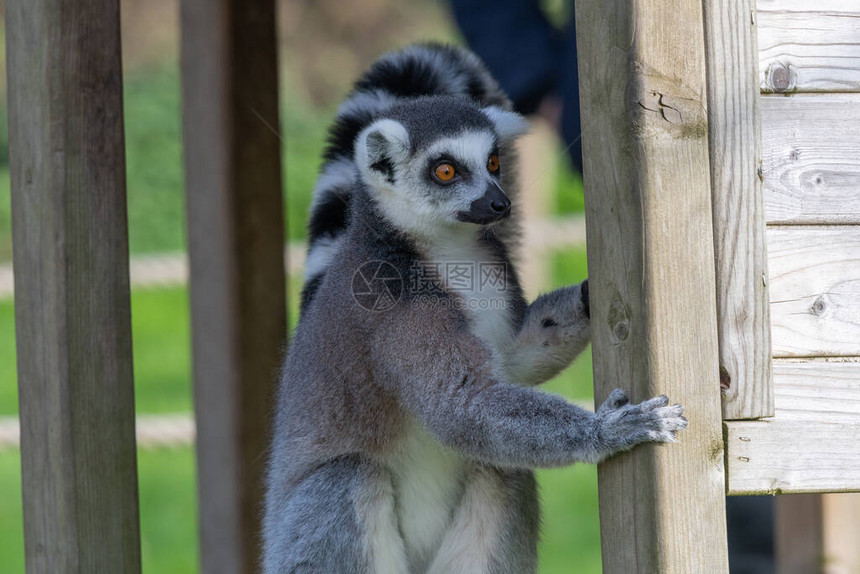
(380, 146)
(508, 125)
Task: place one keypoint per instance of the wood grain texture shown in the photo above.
(743, 315)
(818, 533)
(651, 267)
(812, 444)
(815, 290)
(811, 158)
(72, 316)
(809, 46)
(236, 239)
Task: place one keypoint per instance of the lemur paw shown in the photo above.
(564, 314)
(622, 425)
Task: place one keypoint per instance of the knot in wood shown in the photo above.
(725, 379)
(619, 320)
(819, 306)
(780, 78)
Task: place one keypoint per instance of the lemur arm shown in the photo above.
(554, 331)
(450, 384)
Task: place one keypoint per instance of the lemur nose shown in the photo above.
(500, 204)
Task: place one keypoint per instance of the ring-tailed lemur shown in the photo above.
(553, 331)
(405, 437)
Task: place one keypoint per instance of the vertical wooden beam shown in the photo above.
(743, 316)
(799, 534)
(650, 255)
(818, 534)
(841, 517)
(236, 246)
(72, 316)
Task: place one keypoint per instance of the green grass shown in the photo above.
(5, 215)
(570, 537)
(168, 512)
(161, 340)
(161, 353)
(8, 377)
(11, 529)
(154, 172)
(569, 197)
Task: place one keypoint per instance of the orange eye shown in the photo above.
(444, 172)
(493, 164)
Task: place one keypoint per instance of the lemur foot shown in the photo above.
(622, 425)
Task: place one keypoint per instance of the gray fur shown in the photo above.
(404, 438)
(317, 520)
(555, 330)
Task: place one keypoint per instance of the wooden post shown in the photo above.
(651, 266)
(798, 536)
(236, 248)
(72, 316)
(817, 534)
(743, 312)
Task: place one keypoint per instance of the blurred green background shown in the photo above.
(324, 45)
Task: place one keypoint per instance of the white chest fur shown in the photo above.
(481, 282)
(428, 483)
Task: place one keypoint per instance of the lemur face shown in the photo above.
(433, 164)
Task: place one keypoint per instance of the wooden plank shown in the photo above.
(72, 316)
(815, 290)
(812, 444)
(651, 267)
(236, 242)
(811, 390)
(743, 315)
(811, 159)
(809, 46)
(818, 533)
(783, 455)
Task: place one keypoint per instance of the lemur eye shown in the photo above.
(444, 172)
(493, 164)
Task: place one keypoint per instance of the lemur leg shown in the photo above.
(495, 527)
(554, 331)
(340, 518)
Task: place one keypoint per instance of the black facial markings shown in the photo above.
(384, 166)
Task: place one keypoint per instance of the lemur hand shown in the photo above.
(621, 425)
(556, 329)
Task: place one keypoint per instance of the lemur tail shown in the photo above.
(418, 70)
